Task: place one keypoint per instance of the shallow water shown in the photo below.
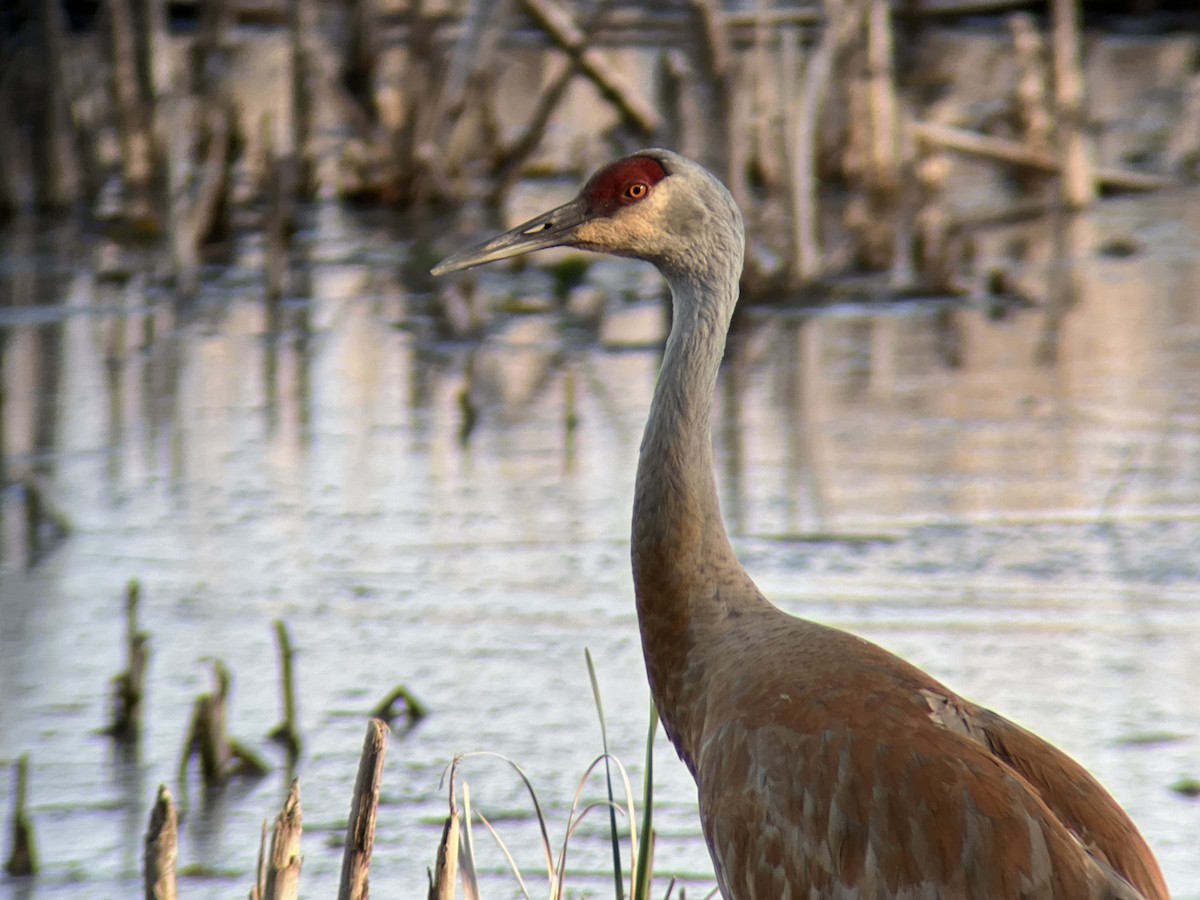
(1026, 530)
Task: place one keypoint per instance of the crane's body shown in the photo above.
(826, 767)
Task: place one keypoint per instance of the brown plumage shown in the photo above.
(826, 766)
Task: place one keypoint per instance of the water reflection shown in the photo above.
(1008, 500)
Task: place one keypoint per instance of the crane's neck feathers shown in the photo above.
(687, 578)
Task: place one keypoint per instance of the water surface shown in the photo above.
(1011, 501)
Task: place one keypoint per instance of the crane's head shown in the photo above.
(654, 205)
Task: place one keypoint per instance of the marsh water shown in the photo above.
(1008, 496)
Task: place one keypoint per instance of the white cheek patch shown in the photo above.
(631, 230)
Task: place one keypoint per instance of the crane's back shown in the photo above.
(827, 767)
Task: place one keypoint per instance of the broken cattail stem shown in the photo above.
(153, 38)
(194, 219)
(807, 260)
(220, 757)
(414, 711)
(726, 156)
(509, 162)
(210, 724)
(162, 841)
(302, 24)
(570, 405)
(132, 119)
(212, 42)
(283, 864)
(1078, 182)
(558, 25)
(360, 833)
(362, 55)
(1006, 151)
(129, 686)
(1072, 236)
(16, 159)
(275, 226)
(1029, 96)
(287, 732)
(881, 93)
(4, 443)
(59, 181)
(260, 871)
(22, 858)
(445, 874)
(674, 74)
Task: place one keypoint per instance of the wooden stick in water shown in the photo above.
(301, 27)
(441, 886)
(1018, 154)
(1029, 96)
(881, 94)
(162, 842)
(726, 154)
(22, 859)
(276, 221)
(283, 864)
(129, 686)
(360, 833)
(259, 890)
(132, 119)
(413, 709)
(287, 732)
(556, 22)
(60, 184)
(362, 55)
(220, 756)
(195, 217)
(1078, 182)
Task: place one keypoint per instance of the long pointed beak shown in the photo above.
(553, 229)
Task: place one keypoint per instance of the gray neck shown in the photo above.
(675, 507)
(686, 576)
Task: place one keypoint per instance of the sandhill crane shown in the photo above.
(825, 766)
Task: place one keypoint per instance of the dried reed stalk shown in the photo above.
(1078, 180)
(360, 832)
(1018, 154)
(284, 861)
(161, 847)
(725, 151)
(129, 686)
(558, 25)
(288, 731)
(133, 120)
(59, 183)
(1031, 103)
(22, 857)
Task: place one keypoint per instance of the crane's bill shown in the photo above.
(553, 229)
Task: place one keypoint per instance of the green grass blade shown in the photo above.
(644, 864)
(618, 878)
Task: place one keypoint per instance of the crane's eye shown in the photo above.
(636, 191)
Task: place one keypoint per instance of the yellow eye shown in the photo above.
(637, 190)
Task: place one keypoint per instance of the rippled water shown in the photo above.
(1010, 501)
